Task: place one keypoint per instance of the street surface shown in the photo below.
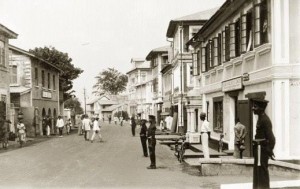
(72, 162)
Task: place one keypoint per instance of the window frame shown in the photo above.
(2, 53)
(219, 101)
(43, 78)
(195, 63)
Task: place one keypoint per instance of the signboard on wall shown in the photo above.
(232, 84)
(46, 94)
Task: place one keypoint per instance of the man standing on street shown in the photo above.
(204, 134)
(86, 125)
(239, 139)
(263, 145)
(133, 125)
(143, 136)
(151, 141)
(60, 125)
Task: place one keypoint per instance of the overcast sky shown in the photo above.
(96, 34)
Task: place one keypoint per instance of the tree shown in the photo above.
(111, 82)
(63, 62)
(74, 103)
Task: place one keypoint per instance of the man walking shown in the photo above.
(96, 130)
(143, 136)
(263, 145)
(86, 125)
(133, 125)
(204, 134)
(60, 125)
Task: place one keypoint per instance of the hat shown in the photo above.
(152, 117)
(261, 103)
(202, 114)
(8, 121)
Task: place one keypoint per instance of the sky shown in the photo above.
(96, 34)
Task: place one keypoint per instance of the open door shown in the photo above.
(244, 113)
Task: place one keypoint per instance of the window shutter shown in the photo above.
(227, 43)
(257, 12)
(219, 49)
(244, 33)
(232, 40)
(203, 59)
(215, 53)
(211, 54)
(195, 64)
(198, 61)
(223, 46)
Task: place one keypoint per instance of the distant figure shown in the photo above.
(151, 141)
(80, 127)
(121, 120)
(239, 139)
(169, 120)
(115, 120)
(60, 125)
(143, 136)
(205, 134)
(263, 145)
(48, 125)
(86, 125)
(68, 125)
(21, 129)
(96, 130)
(161, 125)
(133, 125)
(109, 119)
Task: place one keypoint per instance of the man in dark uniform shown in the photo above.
(143, 136)
(263, 145)
(151, 141)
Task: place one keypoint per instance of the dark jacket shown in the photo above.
(143, 132)
(133, 123)
(151, 135)
(264, 131)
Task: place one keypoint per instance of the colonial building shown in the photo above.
(139, 88)
(34, 89)
(250, 49)
(180, 31)
(5, 35)
(158, 59)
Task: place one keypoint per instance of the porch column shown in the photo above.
(192, 112)
(188, 120)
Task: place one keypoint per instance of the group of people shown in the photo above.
(90, 126)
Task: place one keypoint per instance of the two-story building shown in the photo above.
(34, 89)
(250, 49)
(158, 58)
(139, 88)
(5, 108)
(180, 31)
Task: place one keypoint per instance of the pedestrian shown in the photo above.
(96, 130)
(44, 126)
(161, 125)
(68, 126)
(80, 127)
(48, 124)
(143, 136)
(86, 125)
(151, 141)
(121, 120)
(115, 119)
(60, 125)
(109, 119)
(205, 131)
(263, 145)
(4, 132)
(133, 125)
(21, 129)
(169, 120)
(239, 139)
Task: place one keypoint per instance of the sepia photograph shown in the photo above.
(142, 94)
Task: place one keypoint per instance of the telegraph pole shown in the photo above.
(84, 101)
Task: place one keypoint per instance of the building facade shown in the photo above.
(158, 59)
(5, 106)
(139, 88)
(34, 90)
(250, 49)
(180, 31)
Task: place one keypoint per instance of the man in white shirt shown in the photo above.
(86, 125)
(168, 121)
(60, 125)
(204, 134)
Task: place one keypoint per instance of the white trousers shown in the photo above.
(48, 130)
(204, 140)
(98, 134)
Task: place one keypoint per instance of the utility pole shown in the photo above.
(84, 101)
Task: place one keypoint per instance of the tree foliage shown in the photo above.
(63, 62)
(111, 82)
(74, 103)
